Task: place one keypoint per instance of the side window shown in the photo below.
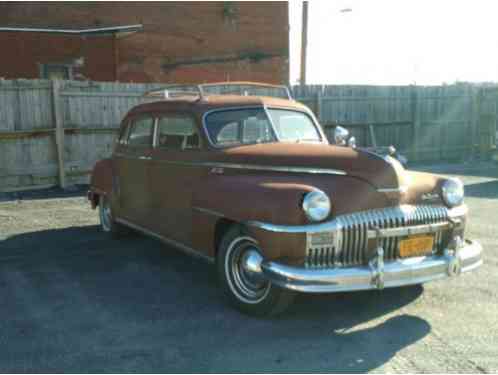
(140, 133)
(177, 132)
(229, 133)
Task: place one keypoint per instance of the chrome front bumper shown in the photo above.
(378, 274)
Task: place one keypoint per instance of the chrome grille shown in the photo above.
(350, 244)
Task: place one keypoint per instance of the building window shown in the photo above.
(56, 71)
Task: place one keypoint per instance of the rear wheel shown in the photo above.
(107, 222)
(238, 265)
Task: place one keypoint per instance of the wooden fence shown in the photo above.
(426, 123)
(53, 132)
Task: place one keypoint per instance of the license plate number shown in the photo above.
(416, 246)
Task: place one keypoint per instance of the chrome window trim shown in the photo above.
(265, 108)
(270, 120)
(154, 134)
(123, 134)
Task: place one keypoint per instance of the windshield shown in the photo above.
(247, 126)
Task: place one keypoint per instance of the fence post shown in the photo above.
(415, 123)
(59, 131)
(373, 139)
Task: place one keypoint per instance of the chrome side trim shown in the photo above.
(110, 29)
(186, 249)
(207, 211)
(328, 226)
(401, 189)
(289, 169)
(336, 224)
(254, 167)
(379, 274)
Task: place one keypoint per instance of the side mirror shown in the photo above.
(340, 136)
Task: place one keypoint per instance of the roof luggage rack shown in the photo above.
(220, 88)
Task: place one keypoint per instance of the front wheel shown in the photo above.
(238, 265)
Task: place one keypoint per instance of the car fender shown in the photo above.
(272, 198)
(101, 180)
(244, 198)
(227, 199)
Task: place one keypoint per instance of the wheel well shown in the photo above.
(221, 228)
(94, 199)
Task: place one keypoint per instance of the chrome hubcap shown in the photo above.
(105, 214)
(251, 265)
(243, 269)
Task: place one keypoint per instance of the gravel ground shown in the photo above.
(74, 300)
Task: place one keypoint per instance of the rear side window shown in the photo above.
(177, 132)
(141, 131)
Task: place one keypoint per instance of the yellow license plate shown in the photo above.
(416, 246)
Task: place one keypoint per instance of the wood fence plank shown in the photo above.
(59, 131)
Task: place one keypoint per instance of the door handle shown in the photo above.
(145, 157)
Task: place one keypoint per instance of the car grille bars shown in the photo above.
(351, 246)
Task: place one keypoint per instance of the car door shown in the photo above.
(173, 174)
(132, 166)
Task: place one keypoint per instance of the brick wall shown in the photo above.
(180, 42)
(25, 51)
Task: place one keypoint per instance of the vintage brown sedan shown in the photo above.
(252, 184)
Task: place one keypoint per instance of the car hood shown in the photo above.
(383, 173)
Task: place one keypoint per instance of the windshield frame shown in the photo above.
(323, 137)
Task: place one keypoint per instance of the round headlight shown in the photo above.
(316, 205)
(452, 192)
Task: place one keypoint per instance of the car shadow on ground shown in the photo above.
(54, 192)
(487, 189)
(471, 169)
(79, 301)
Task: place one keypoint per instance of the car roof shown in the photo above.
(212, 102)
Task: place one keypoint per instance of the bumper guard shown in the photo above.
(466, 256)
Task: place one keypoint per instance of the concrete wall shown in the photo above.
(181, 41)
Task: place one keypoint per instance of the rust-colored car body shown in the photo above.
(190, 197)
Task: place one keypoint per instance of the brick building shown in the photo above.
(180, 42)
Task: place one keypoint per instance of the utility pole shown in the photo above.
(304, 43)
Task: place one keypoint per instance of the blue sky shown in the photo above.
(397, 41)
